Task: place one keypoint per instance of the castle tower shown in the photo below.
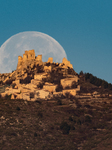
(39, 58)
(31, 54)
(20, 60)
(67, 63)
(25, 57)
(50, 60)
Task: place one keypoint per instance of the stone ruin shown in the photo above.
(50, 60)
(28, 56)
(32, 79)
(66, 63)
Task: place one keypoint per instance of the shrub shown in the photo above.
(101, 125)
(26, 80)
(9, 81)
(31, 95)
(70, 118)
(87, 106)
(67, 87)
(74, 84)
(65, 127)
(71, 71)
(88, 119)
(62, 96)
(13, 85)
(1, 82)
(67, 94)
(77, 103)
(72, 127)
(39, 68)
(59, 102)
(40, 85)
(48, 64)
(40, 114)
(13, 134)
(98, 82)
(74, 120)
(35, 134)
(8, 96)
(18, 108)
(38, 101)
(79, 122)
(59, 88)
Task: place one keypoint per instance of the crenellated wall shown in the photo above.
(30, 74)
(29, 60)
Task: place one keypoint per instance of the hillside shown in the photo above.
(35, 79)
(48, 106)
(60, 123)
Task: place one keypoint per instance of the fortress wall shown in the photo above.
(20, 60)
(25, 57)
(40, 76)
(50, 88)
(68, 81)
(39, 58)
(71, 91)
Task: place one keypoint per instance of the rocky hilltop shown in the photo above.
(35, 79)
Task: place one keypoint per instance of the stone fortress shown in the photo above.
(35, 79)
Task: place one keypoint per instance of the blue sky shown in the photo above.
(82, 27)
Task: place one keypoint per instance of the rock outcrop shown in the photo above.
(35, 79)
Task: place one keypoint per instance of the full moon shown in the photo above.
(17, 44)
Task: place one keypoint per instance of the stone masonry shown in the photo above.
(32, 79)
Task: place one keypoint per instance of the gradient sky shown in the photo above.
(82, 27)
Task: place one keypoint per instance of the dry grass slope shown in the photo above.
(66, 123)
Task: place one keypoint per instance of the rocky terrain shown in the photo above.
(35, 79)
(59, 123)
(48, 106)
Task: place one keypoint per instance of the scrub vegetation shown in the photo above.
(59, 123)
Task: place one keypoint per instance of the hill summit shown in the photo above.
(35, 79)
